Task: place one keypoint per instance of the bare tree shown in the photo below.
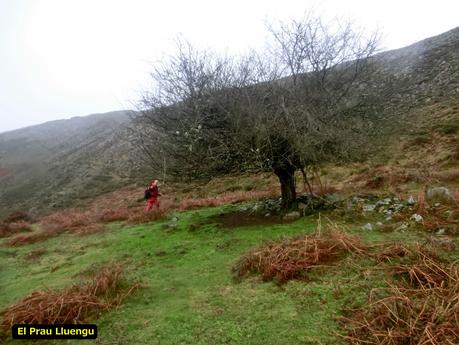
(292, 107)
(318, 99)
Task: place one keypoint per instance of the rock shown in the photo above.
(367, 227)
(379, 224)
(439, 195)
(292, 215)
(440, 232)
(411, 201)
(398, 207)
(334, 198)
(386, 201)
(417, 218)
(309, 203)
(357, 199)
(368, 208)
(402, 227)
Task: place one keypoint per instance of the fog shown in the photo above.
(76, 57)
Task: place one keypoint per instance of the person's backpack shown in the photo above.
(147, 194)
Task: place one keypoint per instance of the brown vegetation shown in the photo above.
(225, 198)
(421, 308)
(434, 217)
(291, 258)
(72, 305)
(125, 205)
(9, 229)
(14, 223)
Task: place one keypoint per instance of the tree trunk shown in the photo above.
(286, 177)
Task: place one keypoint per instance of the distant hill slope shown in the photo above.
(418, 74)
(62, 163)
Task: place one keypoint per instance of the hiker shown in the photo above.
(151, 195)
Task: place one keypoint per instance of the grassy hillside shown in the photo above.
(188, 294)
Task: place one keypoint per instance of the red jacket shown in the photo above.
(154, 191)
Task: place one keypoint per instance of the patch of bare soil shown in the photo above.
(239, 219)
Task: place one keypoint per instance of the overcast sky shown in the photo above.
(63, 58)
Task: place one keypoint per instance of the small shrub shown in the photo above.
(419, 309)
(447, 128)
(375, 182)
(118, 214)
(420, 140)
(9, 229)
(291, 258)
(17, 216)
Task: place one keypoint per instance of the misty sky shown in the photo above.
(63, 58)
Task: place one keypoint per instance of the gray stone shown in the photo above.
(439, 195)
(398, 207)
(169, 226)
(411, 201)
(417, 218)
(385, 201)
(402, 227)
(367, 227)
(368, 208)
(292, 215)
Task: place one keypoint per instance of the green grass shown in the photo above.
(189, 296)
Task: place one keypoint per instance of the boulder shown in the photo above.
(417, 218)
(368, 208)
(367, 227)
(411, 201)
(292, 215)
(401, 227)
(439, 195)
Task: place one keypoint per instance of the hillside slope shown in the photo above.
(60, 163)
(53, 164)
